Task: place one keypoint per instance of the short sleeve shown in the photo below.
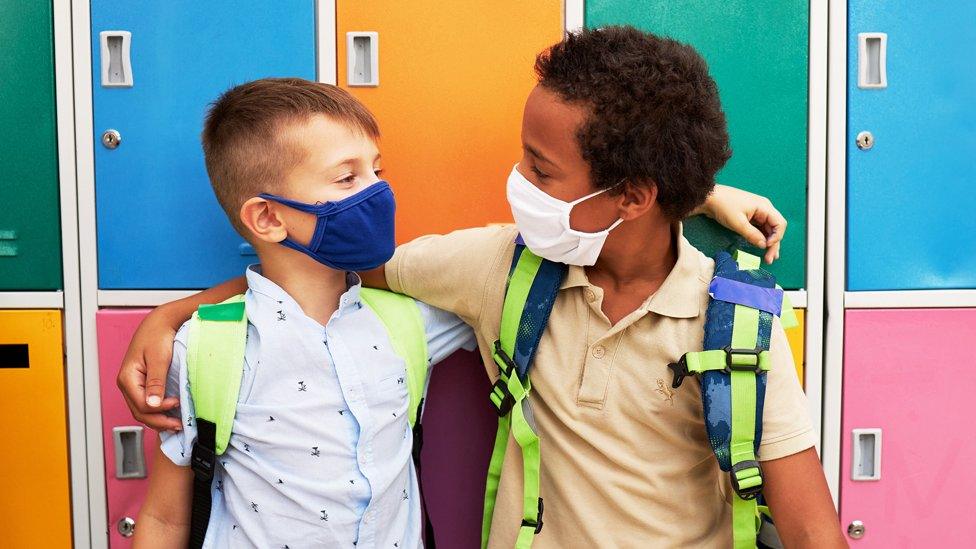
(451, 271)
(177, 446)
(787, 428)
(446, 333)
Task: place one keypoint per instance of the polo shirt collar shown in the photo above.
(681, 293)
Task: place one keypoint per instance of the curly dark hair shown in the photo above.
(654, 111)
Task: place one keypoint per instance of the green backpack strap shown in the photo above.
(215, 364)
(405, 327)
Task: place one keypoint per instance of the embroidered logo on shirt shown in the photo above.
(325, 516)
(302, 388)
(665, 391)
(281, 315)
(315, 451)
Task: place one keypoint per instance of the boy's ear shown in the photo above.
(263, 220)
(637, 199)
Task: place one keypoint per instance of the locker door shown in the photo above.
(909, 373)
(129, 446)
(30, 226)
(34, 482)
(910, 198)
(757, 53)
(453, 78)
(159, 225)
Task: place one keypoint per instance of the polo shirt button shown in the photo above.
(590, 296)
(599, 351)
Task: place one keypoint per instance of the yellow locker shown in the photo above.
(452, 81)
(34, 509)
(798, 343)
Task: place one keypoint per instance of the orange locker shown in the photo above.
(35, 508)
(451, 81)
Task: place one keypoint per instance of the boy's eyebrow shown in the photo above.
(537, 154)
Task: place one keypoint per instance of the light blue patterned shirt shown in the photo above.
(320, 454)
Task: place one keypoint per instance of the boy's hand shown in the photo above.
(750, 215)
(142, 376)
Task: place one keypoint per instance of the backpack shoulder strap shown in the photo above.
(533, 284)
(215, 364)
(732, 368)
(404, 325)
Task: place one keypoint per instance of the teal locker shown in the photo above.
(757, 53)
(30, 227)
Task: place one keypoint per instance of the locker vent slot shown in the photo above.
(14, 355)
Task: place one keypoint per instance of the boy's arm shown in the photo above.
(142, 375)
(799, 499)
(164, 520)
(752, 216)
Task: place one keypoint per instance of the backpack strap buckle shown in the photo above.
(538, 522)
(680, 370)
(747, 479)
(501, 397)
(747, 360)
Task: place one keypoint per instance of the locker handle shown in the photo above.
(872, 60)
(116, 59)
(866, 456)
(362, 51)
(130, 460)
(14, 355)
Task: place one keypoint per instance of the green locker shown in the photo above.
(30, 227)
(757, 53)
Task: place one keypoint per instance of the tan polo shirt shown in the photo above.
(625, 458)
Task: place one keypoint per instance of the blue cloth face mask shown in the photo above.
(352, 234)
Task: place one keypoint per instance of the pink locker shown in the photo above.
(908, 450)
(129, 446)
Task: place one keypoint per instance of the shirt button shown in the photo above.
(599, 351)
(590, 296)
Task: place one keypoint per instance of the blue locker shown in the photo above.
(159, 225)
(911, 198)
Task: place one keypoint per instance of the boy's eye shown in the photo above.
(348, 179)
(538, 173)
(378, 172)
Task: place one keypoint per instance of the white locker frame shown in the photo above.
(839, 300)
(812, 297)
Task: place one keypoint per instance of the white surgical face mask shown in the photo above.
(543, 222)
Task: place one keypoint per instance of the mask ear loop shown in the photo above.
(572, 204)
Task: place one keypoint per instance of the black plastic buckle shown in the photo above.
(729, 365)
(508, 401)
(509, 365)
(680, 370)
(538, 523)
(747, 493)
(202, 461)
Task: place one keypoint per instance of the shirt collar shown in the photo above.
(680, 295)
(259, 284)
